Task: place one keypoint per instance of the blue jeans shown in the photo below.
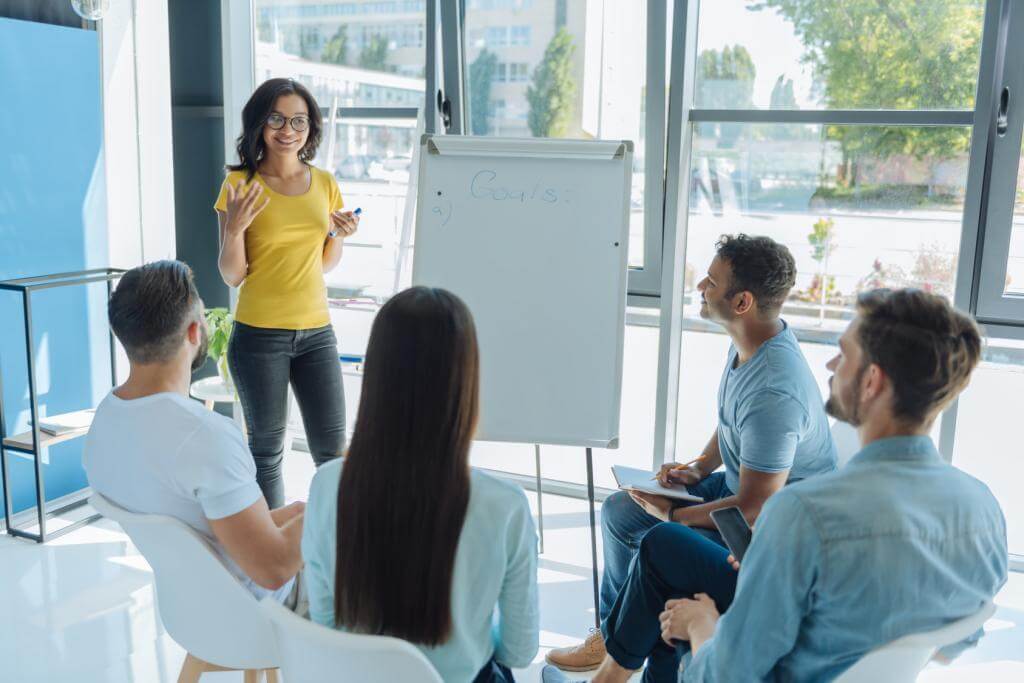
(674, 561)
(623, 525)
(262, 362)
(493, 672)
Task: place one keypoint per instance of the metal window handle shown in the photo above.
(444, 106)
(1003, 115)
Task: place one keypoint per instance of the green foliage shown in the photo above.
(725, 81)
(782, 96)
(219, 323)
(813, 293)
(552, 93)
(336, 49)
(307, 43)
(910, 54)
(822, 246)
(726, 78)
(375, 55)
(481, 75)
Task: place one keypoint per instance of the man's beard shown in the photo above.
(848, 409)
(204, 345)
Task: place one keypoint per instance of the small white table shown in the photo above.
(212, 390)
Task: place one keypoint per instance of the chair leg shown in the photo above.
(191, 669)
(272, 676)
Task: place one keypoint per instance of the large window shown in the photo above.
(366, 55)
(847, 131)
(565, 68)
(856, 132)
(838, 54)
(863, 195)
(365, 62)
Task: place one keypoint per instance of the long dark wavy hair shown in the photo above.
(405, 484)
(249, 144)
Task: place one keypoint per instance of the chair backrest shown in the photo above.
(311, 653)
(902, 660)
(847, 442)
(203, 606)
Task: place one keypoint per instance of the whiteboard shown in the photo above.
(532, 235)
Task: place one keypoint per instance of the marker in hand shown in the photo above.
(357, 212)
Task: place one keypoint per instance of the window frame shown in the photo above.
(684, 115)
(1003, 154)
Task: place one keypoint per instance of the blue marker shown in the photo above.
(358, 211)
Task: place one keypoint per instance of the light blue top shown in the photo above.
(770, 414)
(897, 542)
(494, 585)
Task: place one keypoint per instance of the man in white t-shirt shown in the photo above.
(152, 449)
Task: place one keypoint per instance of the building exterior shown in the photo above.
(607, 63)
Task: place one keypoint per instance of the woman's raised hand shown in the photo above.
(243, 206)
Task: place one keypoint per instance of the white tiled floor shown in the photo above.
(81, 607)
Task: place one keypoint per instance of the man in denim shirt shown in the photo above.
(897, 542)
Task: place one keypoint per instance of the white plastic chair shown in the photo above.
(203, 606)
(311, 653)
(902, 660)
(847, 442)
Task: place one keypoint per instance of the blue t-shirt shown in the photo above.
(771, 416)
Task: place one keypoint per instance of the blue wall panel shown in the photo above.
(52, 219)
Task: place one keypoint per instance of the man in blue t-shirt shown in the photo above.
(772, 430)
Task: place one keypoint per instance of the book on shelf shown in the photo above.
(58, 425)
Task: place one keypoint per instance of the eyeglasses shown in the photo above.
(299, 123)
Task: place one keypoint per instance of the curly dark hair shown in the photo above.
(250, 145)
(926, 348)
(761, 266)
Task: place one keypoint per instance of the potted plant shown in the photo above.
(219, 323)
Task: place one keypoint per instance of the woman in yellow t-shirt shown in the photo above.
(281, 229)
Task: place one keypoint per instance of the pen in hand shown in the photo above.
(683, 466)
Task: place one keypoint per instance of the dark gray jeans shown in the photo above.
(262, 363)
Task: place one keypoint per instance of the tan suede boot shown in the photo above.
(586, 656)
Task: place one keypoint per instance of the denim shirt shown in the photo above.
(897, 542)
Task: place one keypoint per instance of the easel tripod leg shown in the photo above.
(540, 501)
(593, 535)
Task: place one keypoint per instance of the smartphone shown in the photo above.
(734, 529)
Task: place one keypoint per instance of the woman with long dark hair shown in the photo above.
(281, 229)
(403, 539)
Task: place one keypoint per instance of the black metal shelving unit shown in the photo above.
(39, 440)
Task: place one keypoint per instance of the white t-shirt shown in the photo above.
(166, 454)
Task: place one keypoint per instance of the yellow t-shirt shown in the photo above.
(284, 286)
